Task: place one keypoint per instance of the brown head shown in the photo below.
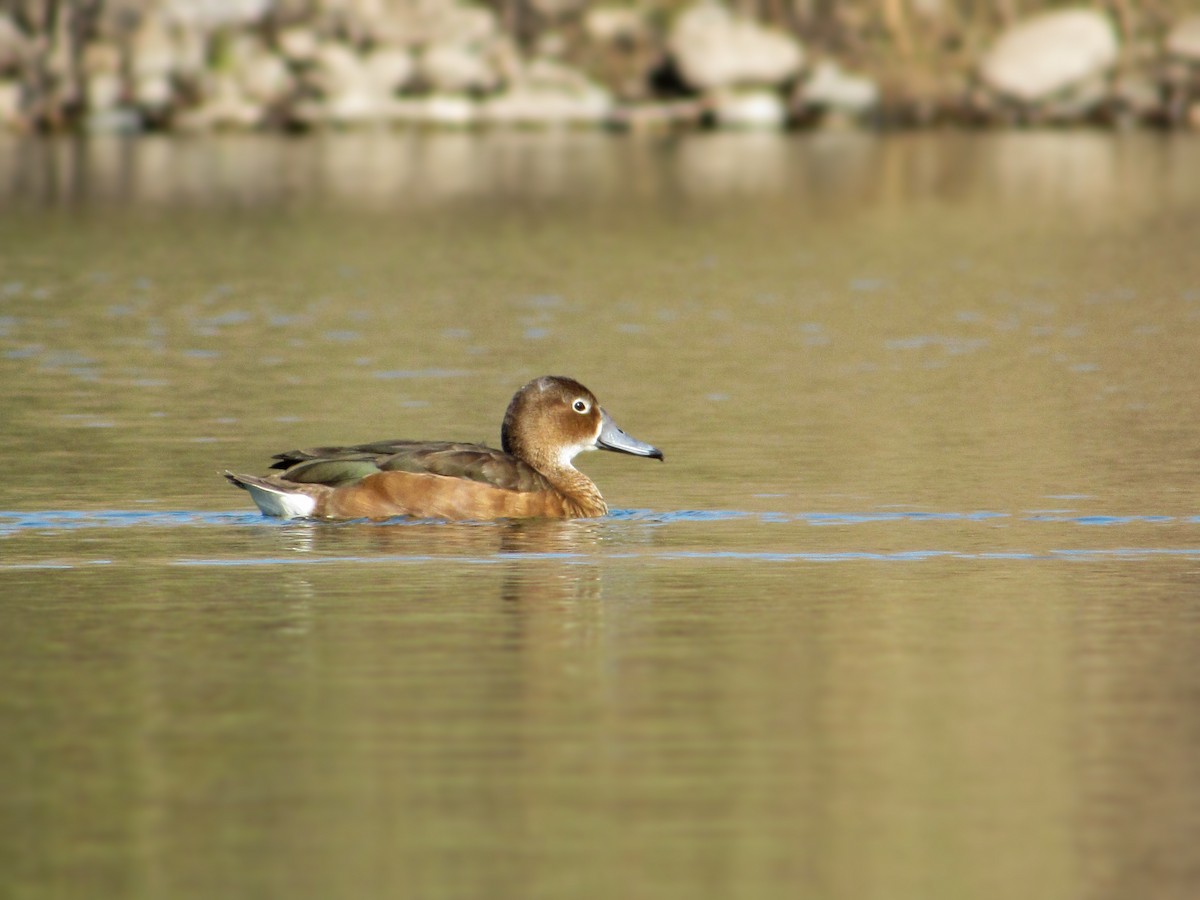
(552, 419)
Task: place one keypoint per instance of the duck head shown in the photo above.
(552, 419)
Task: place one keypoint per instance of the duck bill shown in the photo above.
(613, 438)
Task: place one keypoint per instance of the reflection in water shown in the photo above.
(543, 561)
(562, 726)
(1083, 171)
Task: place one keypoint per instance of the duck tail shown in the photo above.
(275, 499)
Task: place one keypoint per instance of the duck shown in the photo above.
(549, 422)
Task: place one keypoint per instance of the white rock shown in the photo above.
(453, 110)
(466, 24)
(346, 84)
(550, 93)
(548, 74)
(265, 78)
(298, 45)
(829, 87)
(225, 106)
(611, 24)
(339, 69)
(389, 69)
(14, 46)
(10, 102)
(713, 48)
(103, 90)
(354, 107)
(208, 15)
(153, 51)
(749, 109)
(102, 73)
(1138, 93)
(117, 120)
(457, 68)
(153, 92)
(1183, 40)
(1049, 53)
(424, 22)
(190, 53)
(101, 56)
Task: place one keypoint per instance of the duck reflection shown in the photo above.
(542, 560)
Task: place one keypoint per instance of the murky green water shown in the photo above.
(912, 610)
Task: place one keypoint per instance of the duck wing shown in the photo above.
(339, 466)
(378, 450)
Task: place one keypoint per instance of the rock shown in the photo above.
(749, 109)
(152, 53)
(360, 88)
(337, 66)
(1049, 53)
(101, 65)
(225, 106)
(551, 45)
(1183, 40)
(298, 45)
(211, 15)
(151, 67)
(1137, 96)
(615, 25)
(346, 84)
(418, 23)
(390, 69)
(450, 110)
(523, 106)
(831, 88)
(14, 46)
(104, 90)
(713, 48)
(466, 24)
(265, 78)
(10, 104)
(550, 93)
(557, 9)
(117, 120)
(457, 68)
(190, 54)
(1083, 99)
(153, 93)
(659, 117)
(551, 75)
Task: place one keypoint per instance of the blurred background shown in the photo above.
(295, 65)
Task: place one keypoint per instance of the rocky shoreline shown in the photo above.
(128, 66)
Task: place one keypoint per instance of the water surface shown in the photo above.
(911, 609)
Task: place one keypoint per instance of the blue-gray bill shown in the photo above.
(613, 438)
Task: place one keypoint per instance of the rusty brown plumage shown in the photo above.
(548, 422)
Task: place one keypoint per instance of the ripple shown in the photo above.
(58, 520)
(703, 549)
(71, 520)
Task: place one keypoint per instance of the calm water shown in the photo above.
(912, 610)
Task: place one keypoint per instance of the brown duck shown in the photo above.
(549, 421)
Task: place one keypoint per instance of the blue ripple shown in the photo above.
(69, 519)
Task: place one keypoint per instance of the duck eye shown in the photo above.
(580, 406)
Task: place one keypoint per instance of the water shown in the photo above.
(910, 610)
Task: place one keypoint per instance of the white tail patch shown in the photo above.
(281, 503)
